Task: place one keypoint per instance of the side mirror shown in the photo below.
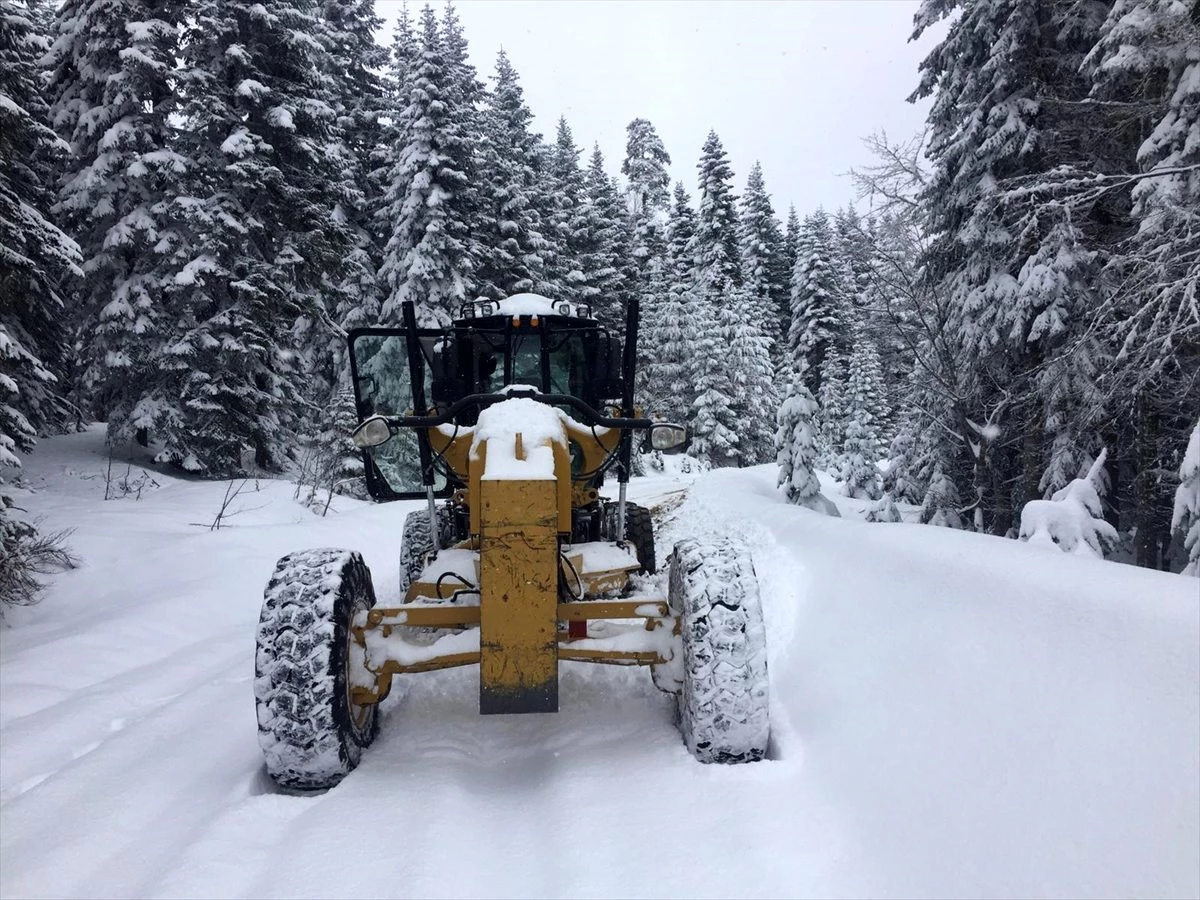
(667, 437)
(371, 433)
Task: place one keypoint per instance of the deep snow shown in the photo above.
(954, 715)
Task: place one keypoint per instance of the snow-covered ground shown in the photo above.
(954, 715)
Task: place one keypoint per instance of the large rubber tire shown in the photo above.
(415, 543)
(724, 704)
(639, 531)
(311, 735)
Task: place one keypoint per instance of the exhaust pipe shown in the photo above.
(629, 369)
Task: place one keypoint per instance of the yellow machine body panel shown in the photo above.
(518, 569)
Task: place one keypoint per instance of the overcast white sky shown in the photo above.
(795, 84)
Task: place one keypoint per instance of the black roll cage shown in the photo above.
(610, 371)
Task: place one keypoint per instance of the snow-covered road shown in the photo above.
(954, 715)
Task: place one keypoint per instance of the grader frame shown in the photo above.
(528, 603)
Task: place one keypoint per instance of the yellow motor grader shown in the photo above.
(505, 424)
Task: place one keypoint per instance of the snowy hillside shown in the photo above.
(954, 715)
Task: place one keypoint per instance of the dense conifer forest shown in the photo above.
(199, 198)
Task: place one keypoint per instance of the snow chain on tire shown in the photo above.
(724, 702)
(311, 735)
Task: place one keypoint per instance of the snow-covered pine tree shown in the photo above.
(816, 320)
(1011, 129)
(893, 278)
(258, 238)
(568, 221)
(1147, 66)
(1185, 517)
(355, 60)
(866, 418)
(427, 258)
(648, 191)
(752, 376)
(1148, 49)
(113, 95)
(788, 256)
(606, 256)
(647, 197)
(791, 248)
(941, 503)
(669, 329)
(465, 97)
(35, 256)
(352, 299)
(511, 236)
(852, 251)
(832, 399)
(899, 478)
(404, 54)
(1072, 520)
(743, 378)
(717, 251)
(716, 438)
(763, 260)
(795, 440)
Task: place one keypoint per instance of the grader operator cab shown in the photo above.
(505, 424)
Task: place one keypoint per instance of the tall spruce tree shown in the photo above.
(1146, 68)
(1010, 131)
(670, 328)
(791, 251)
(427, 258)
(569, 220)
(35, 256)
(258, 240)
(511, 232)
(647, 197)
(833, 401)
(817, 323)
(113, 95)
(355, 61)
(606, 246)
(648, 191)
(866, 418)
(720, 304)
(763, 259)
(797, 446)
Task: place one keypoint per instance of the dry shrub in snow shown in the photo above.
(25, 556)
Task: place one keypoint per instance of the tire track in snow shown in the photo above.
(450, 803)
(124, 811)
(88, 716)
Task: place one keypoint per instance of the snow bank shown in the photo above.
(986, 719)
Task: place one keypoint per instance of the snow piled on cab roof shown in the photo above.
(526, 305)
